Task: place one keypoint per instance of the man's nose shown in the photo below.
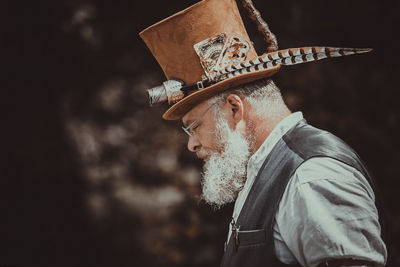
(193, 144)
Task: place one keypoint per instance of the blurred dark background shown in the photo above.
(94, 177)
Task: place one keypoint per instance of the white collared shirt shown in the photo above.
(327, 210)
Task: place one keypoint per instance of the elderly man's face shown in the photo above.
(202, 131)
(225, 150)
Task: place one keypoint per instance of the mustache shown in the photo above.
(203, 154)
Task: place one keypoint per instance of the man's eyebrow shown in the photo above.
(188, 122)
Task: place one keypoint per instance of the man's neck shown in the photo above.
(262, 127)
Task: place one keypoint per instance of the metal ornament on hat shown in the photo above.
(223, 57)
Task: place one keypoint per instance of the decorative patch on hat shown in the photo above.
(220, 51)
(234, 51)
(209, 51)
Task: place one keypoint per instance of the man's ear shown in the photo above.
(236, 108)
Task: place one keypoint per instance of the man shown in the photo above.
(302, 196)
(327, 210)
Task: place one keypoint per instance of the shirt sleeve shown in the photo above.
(328, 212)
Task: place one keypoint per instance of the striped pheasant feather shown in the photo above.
(290, 56)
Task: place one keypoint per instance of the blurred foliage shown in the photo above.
(94, 177)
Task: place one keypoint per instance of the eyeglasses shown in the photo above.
(191, 128)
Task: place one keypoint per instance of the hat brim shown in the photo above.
(178, 110)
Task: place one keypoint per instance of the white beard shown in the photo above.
(224, 172)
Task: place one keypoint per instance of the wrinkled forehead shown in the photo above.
(194, 113)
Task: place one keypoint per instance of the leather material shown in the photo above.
(171, 42)
(299, 144)
(347, 262)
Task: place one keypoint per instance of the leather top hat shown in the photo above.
(205, 50)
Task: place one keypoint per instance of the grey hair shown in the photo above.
(263, 96)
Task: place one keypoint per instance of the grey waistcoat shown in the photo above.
(253, 244)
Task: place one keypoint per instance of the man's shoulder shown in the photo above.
(308, 141)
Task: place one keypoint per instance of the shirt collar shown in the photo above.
(258, 158)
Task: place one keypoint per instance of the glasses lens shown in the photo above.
(191, 127)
